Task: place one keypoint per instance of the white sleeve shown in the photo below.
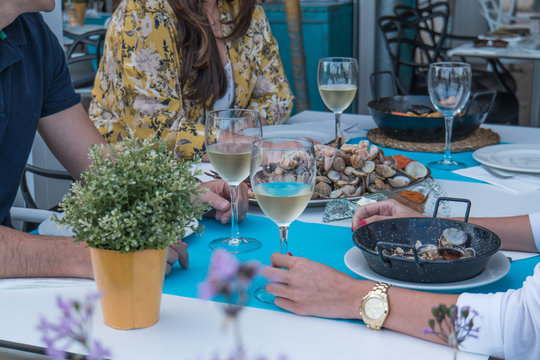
(509, 322)
(534, 219)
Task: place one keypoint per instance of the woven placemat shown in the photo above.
(480, 138)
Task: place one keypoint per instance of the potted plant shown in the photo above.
(133, 202)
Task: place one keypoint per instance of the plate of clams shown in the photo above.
(354, 170)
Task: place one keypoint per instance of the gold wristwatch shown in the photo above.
(374, 307)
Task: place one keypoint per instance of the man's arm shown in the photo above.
(26, 255)
(69, 135)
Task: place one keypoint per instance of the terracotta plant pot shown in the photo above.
(131, 284)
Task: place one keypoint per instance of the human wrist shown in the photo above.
(358, 291)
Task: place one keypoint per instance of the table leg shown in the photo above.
(535, 99)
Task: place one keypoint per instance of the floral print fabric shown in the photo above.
(137, 85)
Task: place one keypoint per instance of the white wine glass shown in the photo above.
(228, 136)
(337, 79)
(449, 86)
(282, 175)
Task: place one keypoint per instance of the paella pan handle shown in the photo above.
(385, 258)
(490, 94)
(467, 210)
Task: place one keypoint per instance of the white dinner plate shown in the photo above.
(512, 157)
(49, 227)
(496, 268)
(295, 131)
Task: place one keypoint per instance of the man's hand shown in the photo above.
(178, 252)
(219, 197)
(306, 287)
(380, 211)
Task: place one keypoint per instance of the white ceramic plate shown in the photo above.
(49, 227)
(496, 268)
(295, 131)
(512, 157)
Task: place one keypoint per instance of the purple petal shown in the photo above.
(98, 352)
(206, 290)
(223, 265)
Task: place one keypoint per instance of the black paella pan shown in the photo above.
(377, 239)
(403, 117)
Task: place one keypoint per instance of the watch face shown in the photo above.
(374, 308)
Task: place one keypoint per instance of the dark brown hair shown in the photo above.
(202, 70)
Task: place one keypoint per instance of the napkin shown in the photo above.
(518, 183)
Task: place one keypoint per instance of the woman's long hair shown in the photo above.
(202, 69)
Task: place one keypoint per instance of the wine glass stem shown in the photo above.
(448, 122)
(283, 239)
(338, 125)
(235, 233)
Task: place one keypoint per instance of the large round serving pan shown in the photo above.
(426, 129)
(404, 232)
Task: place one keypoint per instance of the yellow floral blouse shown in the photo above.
(137, 85)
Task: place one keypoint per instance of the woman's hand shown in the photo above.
(219, 197)
(306, 287)
(379, 211)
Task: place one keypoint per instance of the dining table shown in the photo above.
(525, 51)
(193, 328)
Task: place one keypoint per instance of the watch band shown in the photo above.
(381, 288)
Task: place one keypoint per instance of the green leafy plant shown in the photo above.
(134, 196)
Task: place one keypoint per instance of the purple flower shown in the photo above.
(454, 325)
(223, 265)
(73, 326)
(206, 290)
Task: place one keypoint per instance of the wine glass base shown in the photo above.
(446, 165)
(264, 296)
(235, 246)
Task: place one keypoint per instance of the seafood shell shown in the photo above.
(453, 237)
(368, 167)
(451, 252)
(416, 170)
(323, 189)
(399, 181)
(384, 171)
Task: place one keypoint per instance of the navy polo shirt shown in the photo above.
(34, 83)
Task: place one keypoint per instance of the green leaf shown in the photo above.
(134, 196)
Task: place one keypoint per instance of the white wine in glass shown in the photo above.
(337, 79)
(449, 86)
(229, 135)
(283, 172)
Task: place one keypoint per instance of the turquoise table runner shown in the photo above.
(323, 243)
(425, 158)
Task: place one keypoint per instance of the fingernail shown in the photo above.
(289, 254)
(362, 223)
(224, 220)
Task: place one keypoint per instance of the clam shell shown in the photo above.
(453, 236)
(416, 170)
(368, 167)
(399, 181)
